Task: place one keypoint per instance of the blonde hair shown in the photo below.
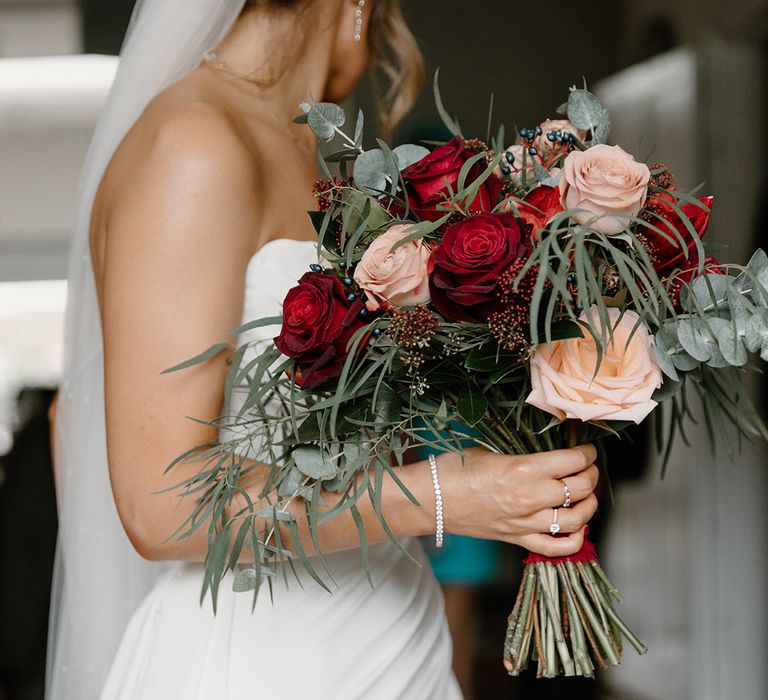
(396, 65)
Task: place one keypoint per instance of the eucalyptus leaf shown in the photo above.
(313, 462)
(663, 354)
(246, 580)
(696, 339)
(408, 154)
(756, 336)
(209, 354)
(370, 172)
(324, 118)
(271, 513)
(603, 129)
(584, 109)
(710, 290)
(290, 483)
(729, 344)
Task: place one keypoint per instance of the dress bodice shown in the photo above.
(272, 271)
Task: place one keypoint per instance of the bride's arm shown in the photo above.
(182, 205)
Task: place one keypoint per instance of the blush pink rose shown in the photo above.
(564, 383)
(607, 184)
(399, 278)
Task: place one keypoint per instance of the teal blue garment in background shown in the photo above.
(462, 561)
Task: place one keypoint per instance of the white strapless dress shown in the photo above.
(389, 642)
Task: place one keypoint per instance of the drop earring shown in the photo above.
(359, 20)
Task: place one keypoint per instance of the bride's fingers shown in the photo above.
(570, 519)
(579, 485)
(548, 546)
(560, 463)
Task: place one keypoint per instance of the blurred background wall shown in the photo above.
(686, 82)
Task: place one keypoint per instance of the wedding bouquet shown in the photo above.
(543, 294)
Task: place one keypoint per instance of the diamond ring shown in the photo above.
(554, 528)
(566, 494)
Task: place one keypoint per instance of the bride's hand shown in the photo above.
(511, 499)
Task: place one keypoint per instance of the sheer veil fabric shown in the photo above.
(99, 579)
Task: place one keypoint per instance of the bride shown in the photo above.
(192, 218)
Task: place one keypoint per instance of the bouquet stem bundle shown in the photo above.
(564, 619)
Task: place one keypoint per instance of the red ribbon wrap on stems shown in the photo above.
(586, 554)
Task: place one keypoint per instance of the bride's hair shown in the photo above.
(396, 66)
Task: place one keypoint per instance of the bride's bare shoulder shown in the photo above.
(184, 126)
(183, 169)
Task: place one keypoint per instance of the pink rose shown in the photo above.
(563, 380)
(399, 278)
(552, 126)
(607, 184)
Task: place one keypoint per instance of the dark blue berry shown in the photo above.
(572, 278)
(351, 296)
(506, 170)
(538, 131)
(363, 313)
(348, 281)
(533, 150)
(342, 265)
(315, 267)
(377, 332)
(551, 137)
(509, 157)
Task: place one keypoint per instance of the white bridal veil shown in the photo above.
(99, 580)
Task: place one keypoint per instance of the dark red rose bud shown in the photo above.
(467, 264)
(318, 323)
(429, 181)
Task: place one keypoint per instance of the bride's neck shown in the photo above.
(263, 48)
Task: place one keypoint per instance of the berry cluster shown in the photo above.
(661, 176)
(326, 191)
(413, 328)
(509, 325)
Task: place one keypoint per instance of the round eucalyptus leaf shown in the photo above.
(664, 360)
(370, 171)
(684, 362)
(730, 346)
(757, 331)
(407, 154)
(246, 580)
(324, 118)
(695, 338)
(584, 110)
(711, 290)
(312, 462)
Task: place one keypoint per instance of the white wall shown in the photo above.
(48, 108)
(39, 27)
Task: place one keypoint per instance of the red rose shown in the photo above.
(468, 263)
(427, 181)
(318, 322)
(538, 208)
(666, 251)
